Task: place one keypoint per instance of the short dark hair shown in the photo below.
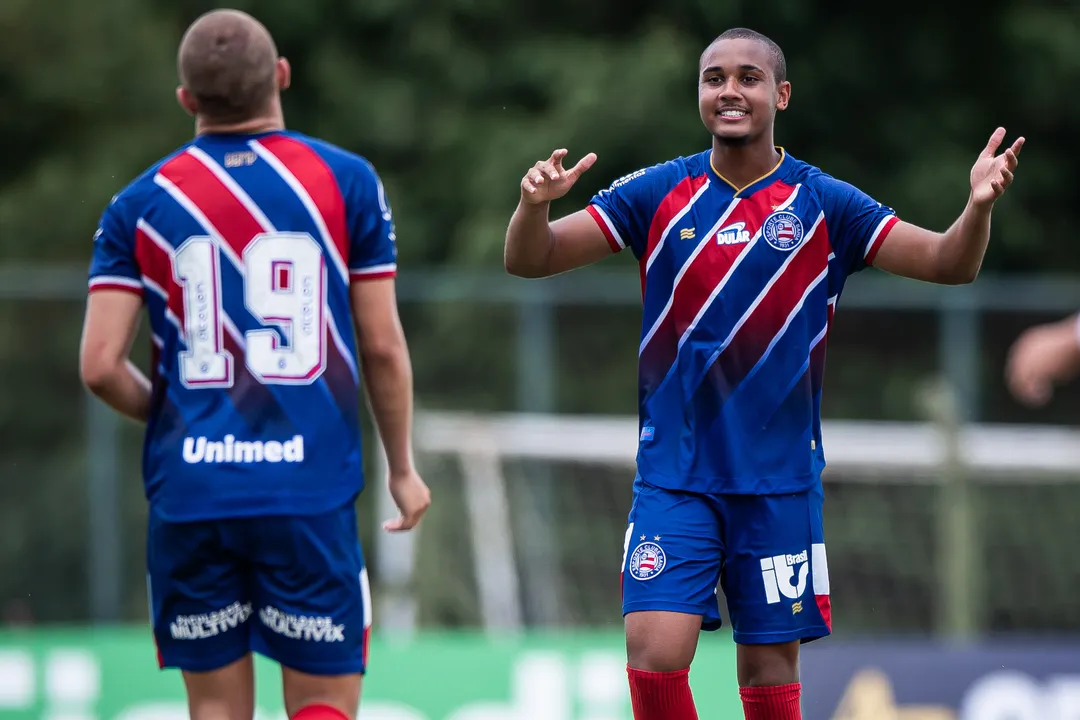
(227, 61)
(778, 60)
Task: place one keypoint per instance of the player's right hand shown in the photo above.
(412, 498)
(548, 180)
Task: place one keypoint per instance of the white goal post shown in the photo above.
(857, 451)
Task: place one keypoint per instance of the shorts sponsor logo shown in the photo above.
(647, 561)
(197, 627)
(778, 572)
(231, 450)
(302, 627)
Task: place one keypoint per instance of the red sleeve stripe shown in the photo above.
(373, 272)
(880, 233)
(111, 282)
(607, 227)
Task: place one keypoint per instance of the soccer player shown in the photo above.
(266, 262)
(1042, 357)
(743, 252)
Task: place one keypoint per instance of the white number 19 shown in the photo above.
(284, 285)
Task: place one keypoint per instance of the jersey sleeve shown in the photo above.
(113, 264)
(624, 210)
(857, 223)
(372, 241)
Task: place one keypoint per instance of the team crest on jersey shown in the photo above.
(647, 561)
(783, 230)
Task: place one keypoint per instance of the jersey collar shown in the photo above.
(747, 190)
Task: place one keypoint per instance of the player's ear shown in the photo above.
(783, 95)
(187, 101)
(283, 73)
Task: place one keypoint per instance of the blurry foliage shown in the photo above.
(452, 101)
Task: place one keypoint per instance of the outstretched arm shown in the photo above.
(1043, 356)
(536, 247)
(955, 256)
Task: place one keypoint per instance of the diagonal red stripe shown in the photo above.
(669, 207)
(237, 226)
(156, 264)
(768, 318)
(672, 204)
(316, 177)
(697, 284)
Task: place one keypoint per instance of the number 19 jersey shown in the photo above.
(243, 249)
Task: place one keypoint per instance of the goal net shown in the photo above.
(931, 527)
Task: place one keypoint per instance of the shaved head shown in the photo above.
(227, 62)
(779, 63)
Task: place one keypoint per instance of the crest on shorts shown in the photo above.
(783, 230)
(647, 561)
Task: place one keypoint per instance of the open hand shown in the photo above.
(548, 180)
(412, 498)
(992, 174)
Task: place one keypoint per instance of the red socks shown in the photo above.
(661, 695)
(319, 712)
(666, 696)
(779, 702)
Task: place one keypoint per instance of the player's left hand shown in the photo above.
(412, 498)
(992, 174)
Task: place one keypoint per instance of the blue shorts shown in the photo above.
(291, 588)
(766, 552)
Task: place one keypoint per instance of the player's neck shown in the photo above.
(741, 165)
(254, 126)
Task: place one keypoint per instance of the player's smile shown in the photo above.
(732, 118)
(732, 114)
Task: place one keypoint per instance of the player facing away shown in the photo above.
(743, 252)
(1043, 356)
(266, 262)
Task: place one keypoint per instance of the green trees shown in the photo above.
(452, 101)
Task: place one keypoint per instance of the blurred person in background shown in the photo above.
(1043, 356)
(266, 263)
(743, 252)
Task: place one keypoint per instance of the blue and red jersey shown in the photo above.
(739, 288)
(243, 249)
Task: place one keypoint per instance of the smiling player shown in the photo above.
(743, 253)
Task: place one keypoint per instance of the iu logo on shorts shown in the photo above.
(778, 572)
